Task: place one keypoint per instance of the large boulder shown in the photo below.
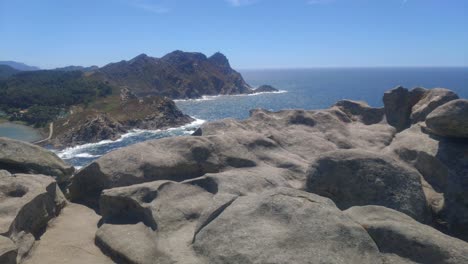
(152, 222)
(21, 157)
(8, 251)
(283, 226)
(166, 159)
(430, 100)
(286, 140)
(398, 104)
(361, 111)
(27, 203)
(134, 244)
(443, 164)
(358, 177)
(397, 233)
(450, 119)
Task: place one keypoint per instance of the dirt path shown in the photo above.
(69, 239)
(51, 132)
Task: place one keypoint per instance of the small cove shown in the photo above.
(19, 132)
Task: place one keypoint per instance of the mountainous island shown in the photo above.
(90, 104)
(350, 184)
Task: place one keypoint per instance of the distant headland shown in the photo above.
(90, 104)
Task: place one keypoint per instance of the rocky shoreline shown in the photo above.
(90, 126)
(348, 184)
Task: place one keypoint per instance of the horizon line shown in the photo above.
(272, 68)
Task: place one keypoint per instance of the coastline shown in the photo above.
(213, 97)
(21, 131)
(86, 153)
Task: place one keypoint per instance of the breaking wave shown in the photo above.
(82, 155)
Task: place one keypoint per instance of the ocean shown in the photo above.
(299, 89)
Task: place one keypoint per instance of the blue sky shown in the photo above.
(252, 33)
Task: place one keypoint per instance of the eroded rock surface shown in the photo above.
(430, 100)
(399, 234)
(285, 140)
(284, 226)
(27, 203)
(8, 251)
(21, 157)
(271, 189)
(450, 119)
(357, 177)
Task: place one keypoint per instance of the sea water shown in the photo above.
(19, 132)
(299, 89)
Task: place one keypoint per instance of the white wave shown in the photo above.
(79, 151)
(203, 98)
(213, 97)
(86, 155)
(260, 93)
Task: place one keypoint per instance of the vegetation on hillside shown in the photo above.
(7, 71)
(39, 97)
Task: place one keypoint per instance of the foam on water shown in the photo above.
(82, 155)
(214, 97)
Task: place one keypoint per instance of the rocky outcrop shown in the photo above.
(21, 157)
(8, 251)
(397, 233)
(443, 165)
(282, 141)
(404, 107)
(398, 104)
(158, 219)
(130, 244)
(27, 203)
(357, 177)
(265, 89)
(450, 119)
(126, 94)
(112, 119)
(430, 100)
(272, 189)
(94, 129)
(284, 226)
(177, 75)
(361, 111)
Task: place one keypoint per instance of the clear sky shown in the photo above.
(252, 33)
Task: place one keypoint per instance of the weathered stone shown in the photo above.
(398, 103)
(431, 99)
(131, 243)
(442, 163)
(397, 233)
(450, 119)
(357, 177)
(284, 226)
(361, 111)
(8, 251)
(27, 203)
(21, 157)
(286, 140)
(169, 211)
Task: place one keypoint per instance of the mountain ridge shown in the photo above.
(19, 66)
(177, 75)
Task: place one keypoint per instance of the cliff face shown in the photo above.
(177, 75)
